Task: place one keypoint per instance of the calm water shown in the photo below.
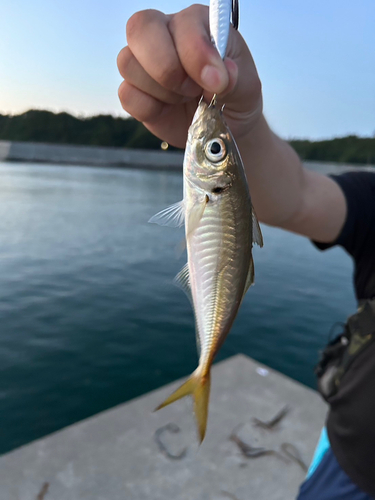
(90, 317)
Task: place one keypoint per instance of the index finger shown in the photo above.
(152, 45)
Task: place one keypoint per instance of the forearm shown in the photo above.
(284, 193)
(275, 175)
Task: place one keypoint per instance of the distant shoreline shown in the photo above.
(97, 156)
(106, 131)
(34, 152)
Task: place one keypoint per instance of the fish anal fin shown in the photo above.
(173, 216)
(182, 280)
(257, 232)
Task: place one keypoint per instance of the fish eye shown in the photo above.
(215, 150)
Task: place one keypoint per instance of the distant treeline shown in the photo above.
(350, 149)
(106, 130)
(63, 128)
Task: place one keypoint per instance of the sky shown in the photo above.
(316, 59)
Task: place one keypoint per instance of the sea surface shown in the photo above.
(90, 317)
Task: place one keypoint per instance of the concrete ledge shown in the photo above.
(114, 455)
(89, 155)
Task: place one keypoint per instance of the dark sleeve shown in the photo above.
(358, 232)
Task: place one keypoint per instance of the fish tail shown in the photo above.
(198, 385)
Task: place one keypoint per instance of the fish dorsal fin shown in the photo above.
(250, 276)
(173, 216)
(195, 214)
(257, 233)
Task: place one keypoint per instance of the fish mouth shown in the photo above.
(202, 106)
(205, 119)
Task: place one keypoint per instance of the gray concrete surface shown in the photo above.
(114, 456)
(89, 155)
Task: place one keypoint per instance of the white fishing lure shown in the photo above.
(219, 17)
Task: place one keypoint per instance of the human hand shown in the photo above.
(170, 62)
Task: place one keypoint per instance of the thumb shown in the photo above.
(199, 58)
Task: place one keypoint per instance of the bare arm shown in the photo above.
(287, 195)
(169, 62)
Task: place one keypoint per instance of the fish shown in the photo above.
(220, 230)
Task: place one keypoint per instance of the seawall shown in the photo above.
(89, 155)
(94, 156)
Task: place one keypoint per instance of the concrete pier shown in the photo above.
(115, 456)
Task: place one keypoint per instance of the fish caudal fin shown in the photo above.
(198, 386)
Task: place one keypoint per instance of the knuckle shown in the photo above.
(123, 60)
(188, 16)
(138, 22)
(122, 94)
(197, 9)
(147, 114)
(141, 107)
(135, 24)
(132, 26)
(169, 75)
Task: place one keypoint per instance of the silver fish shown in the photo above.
(220, 229)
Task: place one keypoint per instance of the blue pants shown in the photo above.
(326, 480)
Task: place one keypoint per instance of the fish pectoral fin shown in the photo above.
(173, 216)
(198, 385)
(257, 233)
(195, 214)
(250, 276)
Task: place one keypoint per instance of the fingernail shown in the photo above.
(213, 79)
(189, 88)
